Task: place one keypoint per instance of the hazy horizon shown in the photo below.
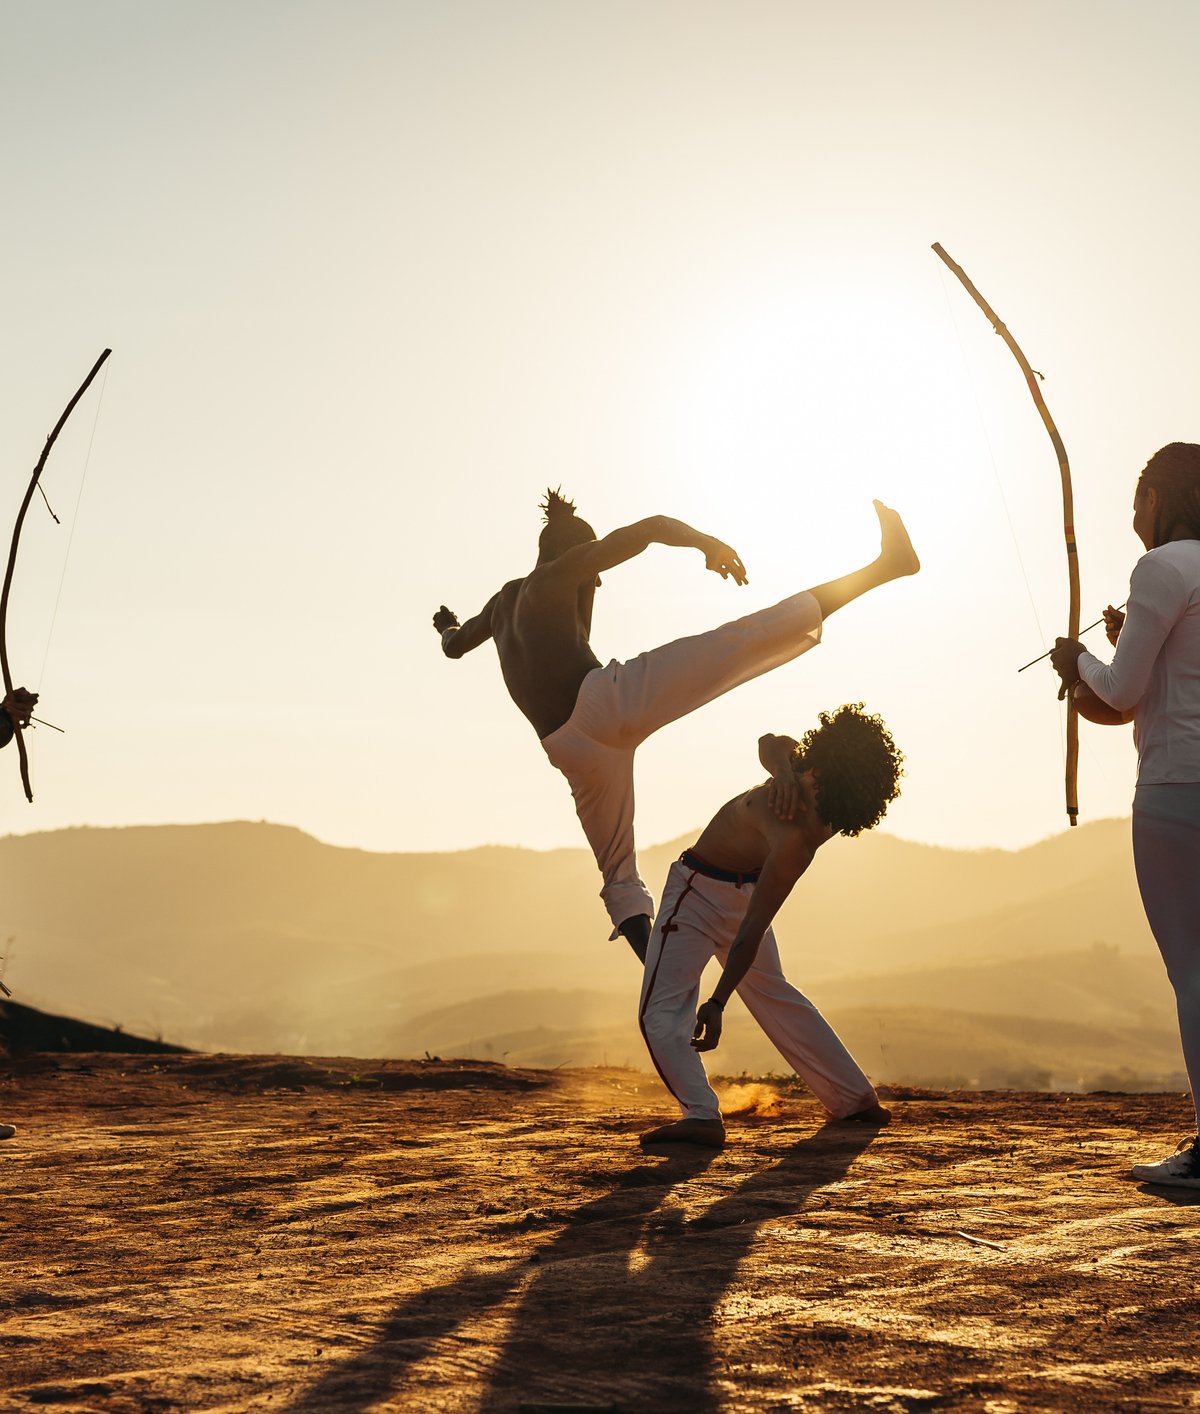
(1032, 969)
(580, 845)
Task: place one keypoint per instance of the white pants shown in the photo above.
(1166, 854)
(620, 705)
(697, 921)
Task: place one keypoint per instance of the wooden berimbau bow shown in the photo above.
(12, 561)
(1064, 467)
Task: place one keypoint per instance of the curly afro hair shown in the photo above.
(856, 765)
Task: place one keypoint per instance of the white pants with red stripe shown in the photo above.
(620, 705)
(697, 921)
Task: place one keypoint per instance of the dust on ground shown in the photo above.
(249, 1233)
(749, 1100)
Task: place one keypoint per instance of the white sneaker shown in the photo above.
(1180, 1170)
(7, 1131)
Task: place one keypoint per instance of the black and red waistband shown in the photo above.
(695, 861)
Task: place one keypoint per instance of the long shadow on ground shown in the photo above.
(613, 1222)
(637, 1335)
(619, 1307)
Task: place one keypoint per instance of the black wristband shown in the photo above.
(720, 1006)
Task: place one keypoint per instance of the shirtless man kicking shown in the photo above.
(591, 719)
(720, 900)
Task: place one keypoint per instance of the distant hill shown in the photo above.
(256, 937)
(926, 1046)
(27, 1031)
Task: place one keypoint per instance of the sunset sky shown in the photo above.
(375, 274)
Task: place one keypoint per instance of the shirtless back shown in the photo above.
(541, 628)
(542, 624)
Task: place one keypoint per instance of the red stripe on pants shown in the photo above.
(667, 928)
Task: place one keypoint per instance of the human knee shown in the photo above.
(1185, 979)
(660, 1023)
(775, 992)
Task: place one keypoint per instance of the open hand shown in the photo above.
(1114, 621)
(707, 1034)
(784, 795)
(722, 559)
(444, 619)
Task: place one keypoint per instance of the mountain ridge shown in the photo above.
(249, 936)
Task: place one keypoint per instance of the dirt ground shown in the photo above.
(250, 1233)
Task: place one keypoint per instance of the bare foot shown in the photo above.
(896, 553)
(687, 1131)
(874, 1114)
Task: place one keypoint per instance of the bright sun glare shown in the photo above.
(824, 401)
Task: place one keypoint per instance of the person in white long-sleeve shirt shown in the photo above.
(1153, 681)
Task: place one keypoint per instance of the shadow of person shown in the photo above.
(611, 1223)
(596, 1330)
(1179, 1197)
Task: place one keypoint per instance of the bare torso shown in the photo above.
(541, 632)
(744, 831)
(541, 624)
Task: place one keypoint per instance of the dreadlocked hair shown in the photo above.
(856, 765)
(563, 527)
(555, 505)
(1174, 472)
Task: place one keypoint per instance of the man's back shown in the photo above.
(542, 623)
(541, 626)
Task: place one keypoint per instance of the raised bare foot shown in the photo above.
(687, 1131)
(896, 553)
(873, 1114)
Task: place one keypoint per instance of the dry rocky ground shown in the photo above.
(249, 1233)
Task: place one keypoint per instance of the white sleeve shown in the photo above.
(1158, 599)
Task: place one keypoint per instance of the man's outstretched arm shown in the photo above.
(457, 638)
(582, 563)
